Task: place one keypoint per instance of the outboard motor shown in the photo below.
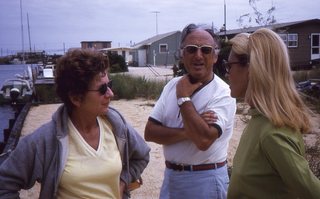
(14, 94)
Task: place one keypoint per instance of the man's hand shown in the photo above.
(185, 88)
(209, 117)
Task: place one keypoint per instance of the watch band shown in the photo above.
(182, 100)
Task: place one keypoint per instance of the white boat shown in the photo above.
(17, 61)
(45, 71)
(16, 91)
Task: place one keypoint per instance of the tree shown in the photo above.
(117, 63)
(259, 18)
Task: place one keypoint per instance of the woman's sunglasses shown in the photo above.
(227, 65)
(205, 49)
(103, 88)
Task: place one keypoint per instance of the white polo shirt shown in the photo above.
(214, 96)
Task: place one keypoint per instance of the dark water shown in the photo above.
(6, 111)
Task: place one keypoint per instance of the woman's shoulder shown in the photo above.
(116, 119)
(271, 135)
(44, 136)
(114, 114)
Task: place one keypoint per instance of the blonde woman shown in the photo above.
(269, 162)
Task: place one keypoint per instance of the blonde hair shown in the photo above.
(271, 88)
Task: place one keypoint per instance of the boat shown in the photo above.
(16, 61)
(44, 85)
(16, 91)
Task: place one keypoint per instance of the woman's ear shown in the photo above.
(75, 99)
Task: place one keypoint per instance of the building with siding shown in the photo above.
(95, 45)
(160, 50)
(301, 37)
(125, 52)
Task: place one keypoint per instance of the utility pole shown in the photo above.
(156, 12)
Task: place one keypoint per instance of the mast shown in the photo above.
(225, 19)
(29, 32)
(22, 38)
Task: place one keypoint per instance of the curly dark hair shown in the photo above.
(75, 71)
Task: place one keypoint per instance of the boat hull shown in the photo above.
(16, 91)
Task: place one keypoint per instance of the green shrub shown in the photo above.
(304, 75)
(130, 87)
(117, 63)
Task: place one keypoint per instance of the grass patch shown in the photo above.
(130, 87)
(304, 75)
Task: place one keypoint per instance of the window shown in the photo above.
(284, 38)
(292, 40)
(315, 44)
(163, 48)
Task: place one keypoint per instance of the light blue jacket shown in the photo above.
(41, 156)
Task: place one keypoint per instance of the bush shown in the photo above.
(117, 63)
(304, 75)
(130, 87)
(5, 60)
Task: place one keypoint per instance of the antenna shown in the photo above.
(156, 12)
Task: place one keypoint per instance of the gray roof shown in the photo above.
(272, 27)
(151, 40)
(114, 49)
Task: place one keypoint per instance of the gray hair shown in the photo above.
(192, 27)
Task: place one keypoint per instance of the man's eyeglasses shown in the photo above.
(103, 88)
(205, 49)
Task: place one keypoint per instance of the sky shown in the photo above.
(57, 25)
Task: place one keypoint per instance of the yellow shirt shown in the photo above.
(91, 173)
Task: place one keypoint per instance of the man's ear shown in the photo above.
(215, 59)
(181, 55)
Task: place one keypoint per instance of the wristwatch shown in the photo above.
(182, 100)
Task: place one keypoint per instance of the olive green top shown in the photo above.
(270, 164)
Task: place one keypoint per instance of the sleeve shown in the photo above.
(157, 110)
(138, 154)
(285, 154)
(157, 113)
(20, 169)
(225, 108)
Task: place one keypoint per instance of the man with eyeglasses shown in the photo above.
(193, 120)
